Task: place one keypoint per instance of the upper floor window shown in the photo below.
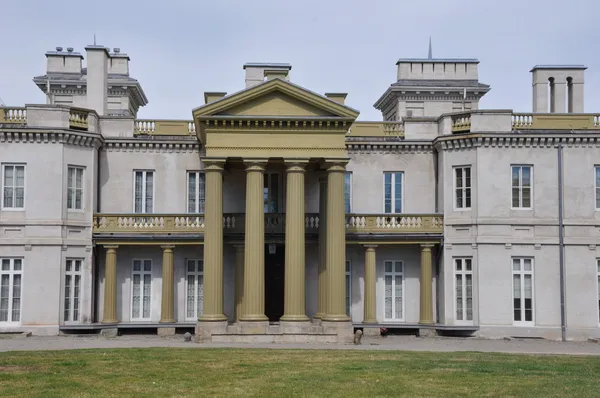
(143, 192)
(522, 178)
(196, 185)
(13, 186)
(348, 192)
(597, 187)
(462, 187)
(272, 196)
(75, 188)
(393, 182)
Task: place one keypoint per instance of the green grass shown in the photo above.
(282, 373)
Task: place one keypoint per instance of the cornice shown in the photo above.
(190, 146)
(383, 147)
(276, 123)
(67, 137)
(511, 140)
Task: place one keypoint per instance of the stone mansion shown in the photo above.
(274, 215)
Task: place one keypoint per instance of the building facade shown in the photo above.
(274, 215)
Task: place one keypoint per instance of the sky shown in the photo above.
(181, 48)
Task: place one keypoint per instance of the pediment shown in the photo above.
(276, 103)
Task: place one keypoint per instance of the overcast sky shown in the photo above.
(181, 48)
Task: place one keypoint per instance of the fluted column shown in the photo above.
(322, 283)
(370, 300)
(254, 257)
(213, 243)
(426, 283)
(336, 245)
(110, 285)
(239, 280)
(167, 298)
(295, 296)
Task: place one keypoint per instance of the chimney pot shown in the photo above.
(116, 50)
(59, 49)
(70, 49)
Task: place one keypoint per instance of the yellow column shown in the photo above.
(295, 297)
(167, 298)
(213, 244)
(254, 257)
(370, 315)
(336, 245)
(110, 285)
(426, 281)
(239, 280)
(322, 284)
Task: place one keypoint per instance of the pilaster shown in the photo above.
(167, 298)
(370, 301)
(426, 283)
(110, 285)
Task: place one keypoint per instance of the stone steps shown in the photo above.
(275, 338)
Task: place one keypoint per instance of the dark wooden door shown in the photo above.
(274, 282)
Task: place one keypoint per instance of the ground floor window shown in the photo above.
(11, 276)
(463, 288)
(72, 290)
(141, 290)
(195, 288)
(348, 288)
(394, 290)
(522, 271)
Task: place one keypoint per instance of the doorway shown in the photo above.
(274, 281)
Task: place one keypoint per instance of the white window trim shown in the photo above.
(350, 193)
(403, 273)
(349, 292)
(24, 187)
(144, 184)
(81, 282)
(187, 191)
(141, 272)
(596, 187)
(394, 192)
(512, 294)
(194, 318)
(74, 210)
(463, 272)
(22, 272)
(456, 208)
(521, 186)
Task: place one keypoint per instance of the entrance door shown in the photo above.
(274, 282)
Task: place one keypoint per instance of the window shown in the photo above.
(394, 290)
(597, 187)
(462, 187)
(141, 290)
(11, 275)
(72, 290)
(144, 192)
(393, 182)
(463, 285)
(348, 192)
(521, 187)
(75, 188)
(522, 271)
(196, 185)
(348, 288)
(271, 193)
(195, 289)
(598, 269)
(13, 186)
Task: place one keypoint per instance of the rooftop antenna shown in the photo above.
(430, 55)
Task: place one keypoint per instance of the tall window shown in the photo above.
(348, 192)
(521, 187)
(196, 185)
(271, 193)
(144, 192)
(72, 290)
(462, 186)
(13, 186)
(195, 289)
(11, 274)
(463, 285)
(522, 271)
(394, 290)
(348, 288)
(393, 182)
(141, 290)
(597, 187)
(75, 188)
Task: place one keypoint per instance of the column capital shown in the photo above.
(295, 165)
(336, 165)
(426, 246)
(370, 247)
(255, 164)
(111, 248)
(167, 248)
(214, 166)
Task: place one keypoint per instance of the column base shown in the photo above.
(109, 321)
(205, 330)
(343, 330)
(295, 327)
(336, 318)
(294, 318)
(254, 318)
(318, 315)
(253, 327)
(212, 318)
(165, 331)
(167, 321)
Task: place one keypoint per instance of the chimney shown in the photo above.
(212, 96)
(60, 61)
(119, 63)
(97, 78)
(564, 84)
(257, 71)
(340, 98)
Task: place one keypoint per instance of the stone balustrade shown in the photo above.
(13, 115)
(377, 129)
(164, 127)
(78, 119)
(555, 121)
(394, 224)
(148, 223)
(461, 122)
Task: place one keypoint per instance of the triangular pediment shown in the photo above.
(278, 98)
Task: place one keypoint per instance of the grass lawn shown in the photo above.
(276, 373)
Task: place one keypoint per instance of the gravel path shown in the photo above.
(402, 343)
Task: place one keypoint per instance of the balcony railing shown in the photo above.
(274, 223)
(461, 123)
(555, 121)
(165, 127)
(13, 115)
(377, 129)
(78, 119)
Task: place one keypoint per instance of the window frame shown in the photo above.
(531, 197)
(597, 187)
(393, 274)
(73, 200)
(11, 272)
(198, 173)
(348, 174)
(142, 273)
(13, 208)
(522, 274)
(464, 188)
(464, 272)
(144, 189)
(267, 183)
(196, 274)
(69, 319)
(393, 193)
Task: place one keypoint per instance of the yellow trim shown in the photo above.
(394, 242)
(148, 243)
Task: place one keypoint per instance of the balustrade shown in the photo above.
(165, 127)
(14, 115)
(78, 119)
(461, 123)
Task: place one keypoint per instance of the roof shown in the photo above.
(451, 83)
(267, 65)
(558, 67)
(439, 60)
